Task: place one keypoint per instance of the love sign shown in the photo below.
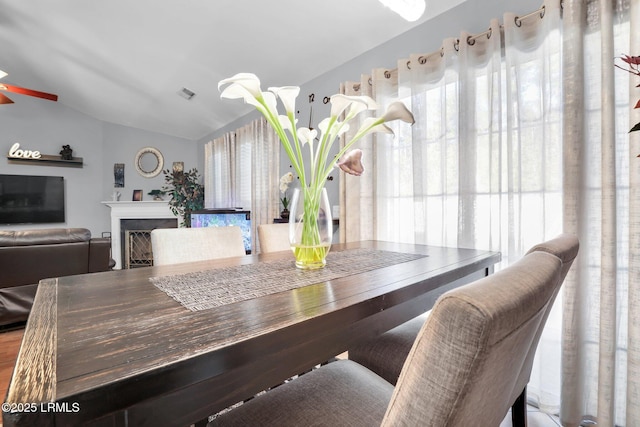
(17, 153)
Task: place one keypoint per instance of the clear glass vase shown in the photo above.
(310, 227)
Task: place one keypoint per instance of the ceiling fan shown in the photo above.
(22, 91)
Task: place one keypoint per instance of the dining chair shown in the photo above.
(386, 354)
(461, 369)
(274, 237)
(178, 245)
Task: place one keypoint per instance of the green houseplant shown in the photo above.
(187, 194)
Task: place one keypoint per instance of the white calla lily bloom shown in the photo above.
(351, 163)
(398, 111)
(287, 95)
(354, 104)
(248, 81)
(306, 135)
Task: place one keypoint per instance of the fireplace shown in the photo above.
(135, 240)
(141, 211)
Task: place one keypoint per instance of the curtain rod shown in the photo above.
(472, 39)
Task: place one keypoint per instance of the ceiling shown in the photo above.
(124, 61)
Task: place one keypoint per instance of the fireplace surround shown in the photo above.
(139, 216)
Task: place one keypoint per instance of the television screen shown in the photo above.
(28, 199)
(224, 218)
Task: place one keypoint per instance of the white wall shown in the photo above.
(45, 126)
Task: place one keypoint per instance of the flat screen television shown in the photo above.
(224, 218)
(26, 199)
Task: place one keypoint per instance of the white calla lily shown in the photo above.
(351, 163)
(285, 123)
(306, 135)
(287, 95)
(355, 104)
(250, 82)
(398, 111)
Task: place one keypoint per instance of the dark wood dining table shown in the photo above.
(115, 349)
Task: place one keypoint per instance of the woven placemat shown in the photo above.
(206, 289)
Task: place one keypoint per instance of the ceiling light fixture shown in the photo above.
(411, 10)
(3, 74)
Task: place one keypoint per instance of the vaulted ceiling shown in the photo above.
(125, 61)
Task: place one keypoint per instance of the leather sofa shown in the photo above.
(27, 256)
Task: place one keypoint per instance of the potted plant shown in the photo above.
(157, 194)
(187, 194)
(285, 181)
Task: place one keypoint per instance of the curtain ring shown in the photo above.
(408, 65)
(471, 41)
(422, 60)
(542, 11)
(370, 82)
(489, 33)
(517, 21)
(456, 45)
(356, 87)
(387, 74)
(442, 52)
(326, 100)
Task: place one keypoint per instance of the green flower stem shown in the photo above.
(311, 249)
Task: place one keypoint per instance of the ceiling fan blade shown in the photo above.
(5, 100)
(30, 92)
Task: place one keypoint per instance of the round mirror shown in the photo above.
(149, 162)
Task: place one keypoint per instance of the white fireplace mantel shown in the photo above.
(133, 210)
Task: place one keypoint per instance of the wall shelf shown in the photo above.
(48, 160)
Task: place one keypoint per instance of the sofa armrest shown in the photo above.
(100, 255)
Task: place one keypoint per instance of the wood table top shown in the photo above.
(112, 349)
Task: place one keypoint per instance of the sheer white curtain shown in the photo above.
(601, 328)
(521, 133)
(357, 212)
(487, 151)
(241, 170)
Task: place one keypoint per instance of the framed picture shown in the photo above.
(118, 175)
(137, 195)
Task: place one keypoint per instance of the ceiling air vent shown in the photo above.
(186, 93)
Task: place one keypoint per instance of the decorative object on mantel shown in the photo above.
(66, 153)
(311, 231)
(118, 175)
(157, 194)
(20, 155)
(633, 63)
(137, 196)
(285, 181)
(149, 162)
(187, 194)
(178, 166)
(115, 196)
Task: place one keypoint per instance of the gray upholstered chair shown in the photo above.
(386, 354)
(178, 245)
(461, 370)
(274, 237)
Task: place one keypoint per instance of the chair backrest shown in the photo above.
(469, 354)
(565, 247)
(178, 245)
(274, 237)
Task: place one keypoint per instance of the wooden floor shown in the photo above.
(9, 346)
